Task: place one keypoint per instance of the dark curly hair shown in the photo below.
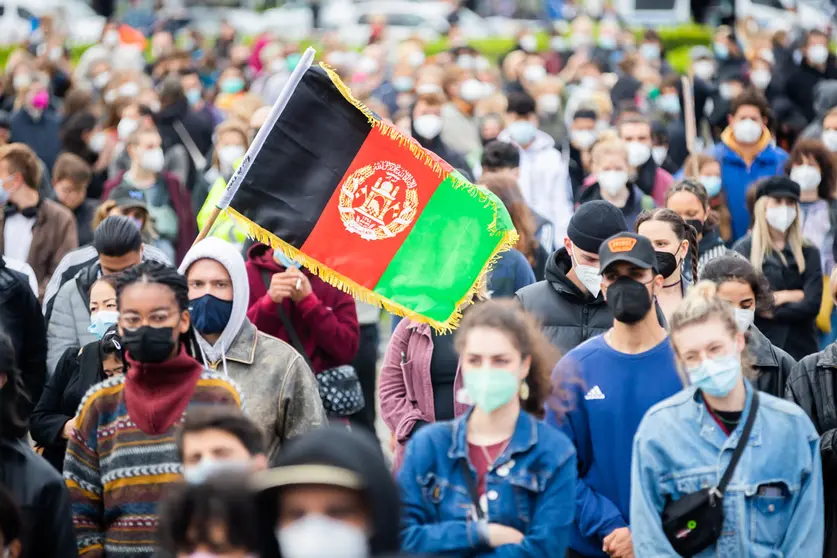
(815, 149)
(508, 317)
(736, 268)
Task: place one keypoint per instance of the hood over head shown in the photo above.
(339, 457)
(227, 255)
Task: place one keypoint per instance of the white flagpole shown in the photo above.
(275, 112)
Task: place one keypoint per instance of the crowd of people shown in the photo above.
(648, 372)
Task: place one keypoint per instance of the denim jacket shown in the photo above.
(773, 506)
(530, 487)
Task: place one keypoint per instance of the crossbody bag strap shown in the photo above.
(288, 325)
(472, 487)
(191, 148)
(742, 443)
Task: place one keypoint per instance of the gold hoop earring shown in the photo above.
(524, 390)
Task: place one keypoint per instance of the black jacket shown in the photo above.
(800, 85)
(440, 148)
(772, 364)
(76, 372)
(44, 503)
(568, 317)
(811, 385)
(792, 326)
(22, 321)
(198, 129)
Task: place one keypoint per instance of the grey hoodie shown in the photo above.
(281, 392)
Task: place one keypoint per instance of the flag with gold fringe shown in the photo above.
(365, 207)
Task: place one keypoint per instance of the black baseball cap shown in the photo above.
(778, 187)
(627, 247)
(127, 197)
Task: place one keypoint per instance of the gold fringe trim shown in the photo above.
(362, 293)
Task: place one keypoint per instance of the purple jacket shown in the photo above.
(405, 390)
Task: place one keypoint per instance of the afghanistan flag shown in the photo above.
(366, 208)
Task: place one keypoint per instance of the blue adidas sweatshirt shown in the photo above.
(609, 392)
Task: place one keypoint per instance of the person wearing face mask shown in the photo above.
(35, 124)
(792, 266)
(141, 409)
(613, 379)
(460, 479)
(651, 179)
(544, 180)
(71, 320)
(583, 134)
(817, 65)
(39, 490)
(728, 54)
(568, 303)
(459, 126)
(613, 183)
(331, 495)
(746, 154)
(774, 503)
(275, 380)
(426, 127)
(748, 292)
(190, 80)
(675, 243)
(168, 201)
(689, 199)
(53, 419)
(219, 440)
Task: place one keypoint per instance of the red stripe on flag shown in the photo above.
(379, 199)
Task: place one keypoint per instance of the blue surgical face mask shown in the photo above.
(102, 321)
(208, 468)
(193, 96)
(712, 185)
(283, 260)
(522, 132)
(716, 376)
(210, 314)
(721, 51)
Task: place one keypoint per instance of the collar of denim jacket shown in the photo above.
(710, 431)
(524, 437)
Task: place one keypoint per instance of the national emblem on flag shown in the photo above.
(363, 206)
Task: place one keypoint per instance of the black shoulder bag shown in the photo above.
(693, 523)
(339, 387)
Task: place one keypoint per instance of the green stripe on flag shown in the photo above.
(445, 252)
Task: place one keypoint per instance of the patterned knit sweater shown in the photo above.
(116, 474)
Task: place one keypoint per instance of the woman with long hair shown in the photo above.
(690, 200)
(675, 243)
(141, 409)
(748, 292)
(776, 248)
(706, 170)
(774, 502)
(505, 187)
(495, 476)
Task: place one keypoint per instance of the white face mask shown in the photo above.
(817, 54)
(208, 468)
(761, 78)
(583, 139)
(317, 536)
(704, 69)
(588, 275)
(101, 80)
(529, 43)
(534, 73)
(153, 160)
(126, 127)
(471, 90)
(659, 153)
(638, 153)
(747, 131)
(613, 182)
(228, 155)
(97, 142)
(829, 138)
(781, 218)
(806, 176)
(549, 103)
(428, 126)
(744, 318)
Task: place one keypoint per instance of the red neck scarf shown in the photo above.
(157, 394)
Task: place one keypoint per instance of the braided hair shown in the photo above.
(697, 190)
(152, 272)
(682, 230)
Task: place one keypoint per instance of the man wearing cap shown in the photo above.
(568, 303)
(613, 379)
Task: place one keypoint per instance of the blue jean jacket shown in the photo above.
(531, 487)
(773, 506)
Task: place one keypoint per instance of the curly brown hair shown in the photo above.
(815, 149)
(508, 317)
(505, 187)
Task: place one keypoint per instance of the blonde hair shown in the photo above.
(608, 146)
(700, 305)
(762, 246)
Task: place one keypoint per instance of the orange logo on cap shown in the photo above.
(621, 245)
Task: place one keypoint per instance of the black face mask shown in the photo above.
(150, 345)
(628, 300)
(666, 263)
(697, 224)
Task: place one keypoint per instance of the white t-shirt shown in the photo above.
(17, 236)
(26, 269)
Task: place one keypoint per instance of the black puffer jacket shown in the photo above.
(772, 363)
(568, 317)
(811, 385)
